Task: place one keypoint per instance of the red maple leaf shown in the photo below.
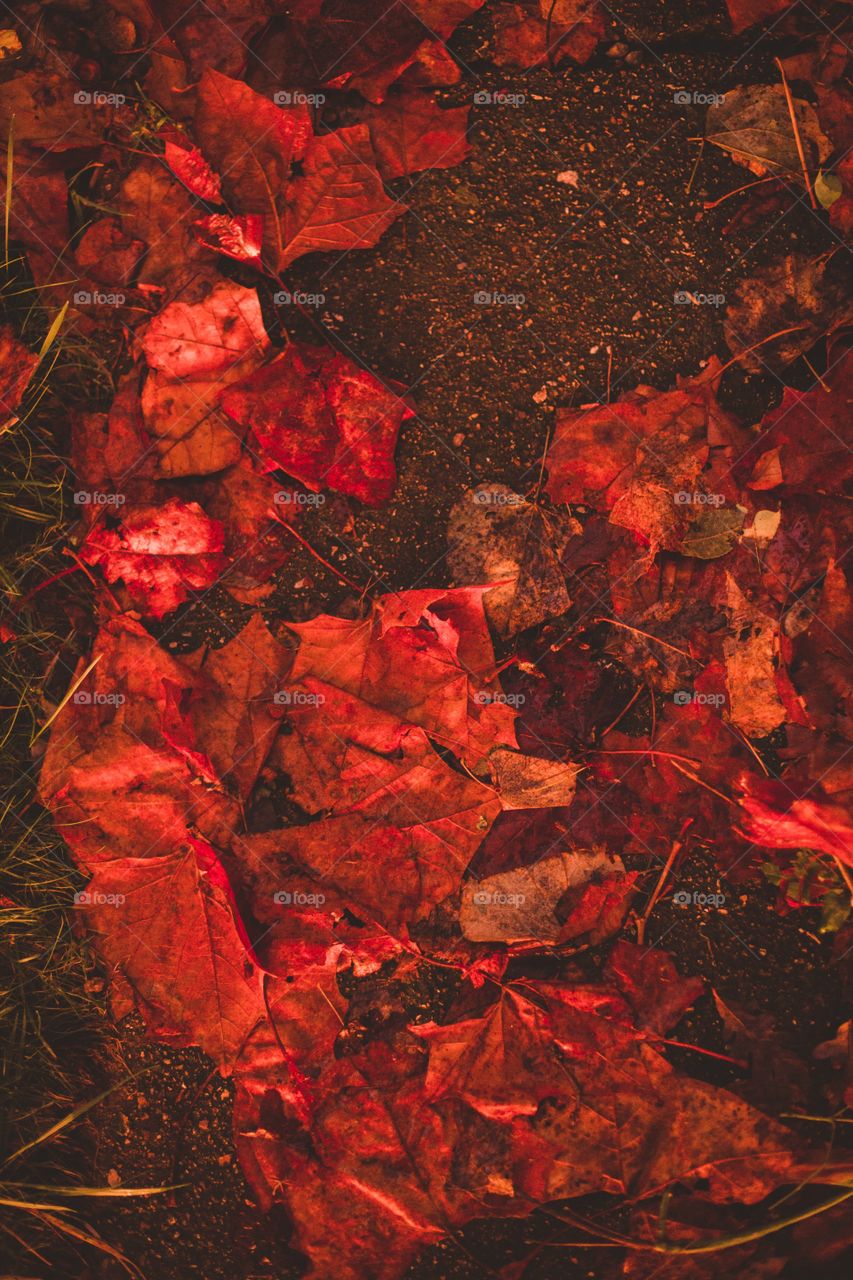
(318, 416)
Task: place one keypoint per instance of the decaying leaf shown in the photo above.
(753, 123)
(494, 535)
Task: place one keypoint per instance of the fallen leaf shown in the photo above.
(798, 293)
(753, 123)
(189, 339)
(494, 535)
(322, 419)
(410, 132)
(161, 554)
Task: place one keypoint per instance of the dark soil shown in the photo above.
(597, 267)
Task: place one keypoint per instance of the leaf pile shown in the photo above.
(359, 860)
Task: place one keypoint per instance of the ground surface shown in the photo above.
(596, 271)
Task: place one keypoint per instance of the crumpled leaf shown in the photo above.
(753, 123)
(805, 295)
(536, 903)
(350, 45)
(752, 657)
(525, 38)
(161, 554)
(122, 773)
(318, 416)
(190, 965)
(50, 113)
(655, 460)
(189, 339)
(423, 656)
(494, 535)
(188, 164)
(398, 826)
(237, 238)
(410, 132)
(778, 816)
(158, 210)
(336, 199)
(243, 501)
(531, 782)
(801, 448)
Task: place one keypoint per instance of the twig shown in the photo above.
(316, 554)
(692, 178)
(717, 373)
(627, 707)
(648, 636)
(713, 204)
(824, 385)
(656, 892)
(792, 113)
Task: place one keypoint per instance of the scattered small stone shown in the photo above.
(458, 439)
(617, 50)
